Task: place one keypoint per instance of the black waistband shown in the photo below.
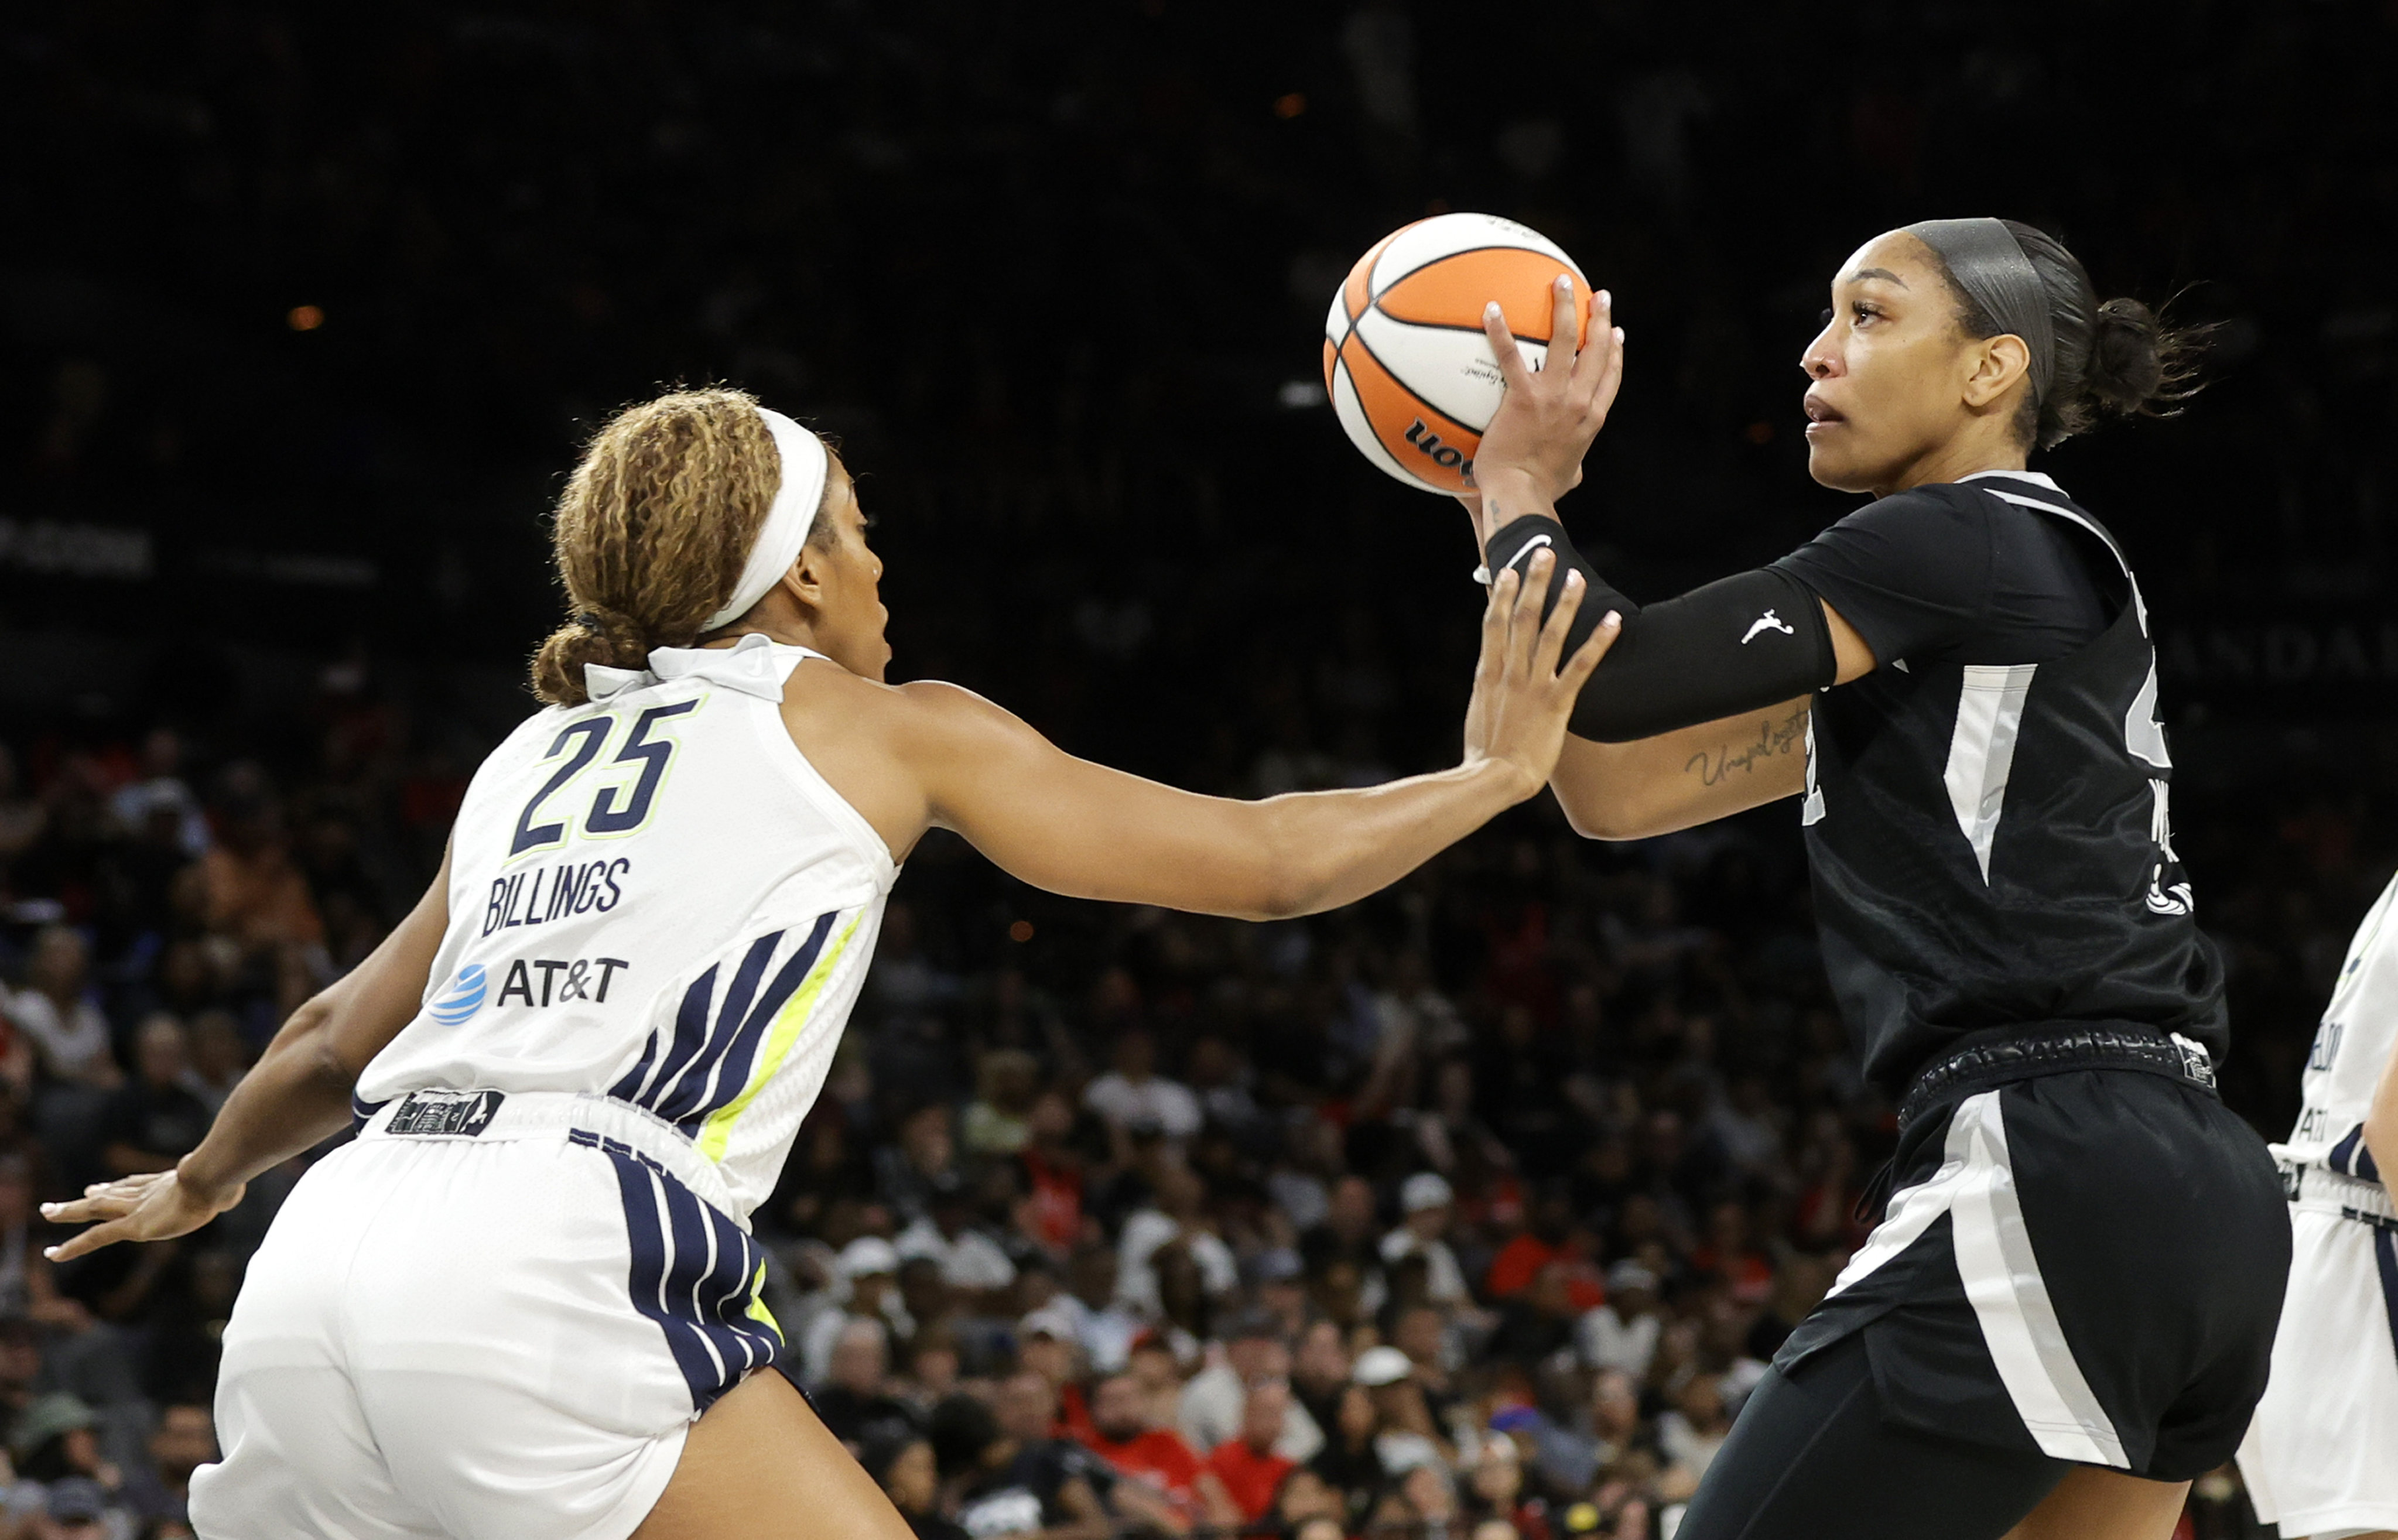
(2029, 1055)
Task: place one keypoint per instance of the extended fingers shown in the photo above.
(1553, 631)
(1565, 327)
(1524, 621)
(98, 1203)
(1579, 668)
(1502, 344)
(1495, 616)
(83, 1242)
(1600, 344)
(1610, 375)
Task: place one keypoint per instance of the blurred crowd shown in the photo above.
(1481, 1203)
(1473, 1209)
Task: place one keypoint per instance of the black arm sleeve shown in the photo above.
(1740, 643)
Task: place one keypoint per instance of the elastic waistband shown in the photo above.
(2054, 1051)
(492, 1117)
(2319, 1189)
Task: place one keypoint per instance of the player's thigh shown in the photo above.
(761, 1466)
(1812, 1456)
(2091, 1504)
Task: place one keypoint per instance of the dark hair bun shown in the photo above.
(2126, 369)
(594, 636)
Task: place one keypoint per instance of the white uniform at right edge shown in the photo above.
(2322, 1457)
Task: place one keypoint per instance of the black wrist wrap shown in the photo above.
(1740, 643)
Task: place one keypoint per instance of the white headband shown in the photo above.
(806, 466)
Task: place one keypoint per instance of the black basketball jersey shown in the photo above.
(1990, 844)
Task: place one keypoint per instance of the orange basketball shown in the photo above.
(1404, 361)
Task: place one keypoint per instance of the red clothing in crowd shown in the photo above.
(1251, 1475)
(1749, 1274)
(1073, 1415)
(1158, 1456)
(1521, 1260)
(1057, 1192)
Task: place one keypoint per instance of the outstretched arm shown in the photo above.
(296, 1096)
(1080, 828)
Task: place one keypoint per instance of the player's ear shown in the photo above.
(805, 581)
(2002, 360)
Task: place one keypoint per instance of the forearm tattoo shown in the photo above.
(1783, 735)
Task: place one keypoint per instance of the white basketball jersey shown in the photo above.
(655, 898)
(2359, 1029)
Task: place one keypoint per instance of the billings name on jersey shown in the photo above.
(548, 893)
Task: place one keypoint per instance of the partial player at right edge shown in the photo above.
(2321, 1459)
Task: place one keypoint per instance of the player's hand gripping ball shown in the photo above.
(1404, 359)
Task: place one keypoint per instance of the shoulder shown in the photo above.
(1927, 513)
(923, 713)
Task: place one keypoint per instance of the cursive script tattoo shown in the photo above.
(1772, 737)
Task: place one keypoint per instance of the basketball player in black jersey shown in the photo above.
(2068, 1309)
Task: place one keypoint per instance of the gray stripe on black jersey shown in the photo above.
(2001, 1276)
(1982, 749)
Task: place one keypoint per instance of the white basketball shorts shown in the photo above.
(493, 1316)
(2321, 1458)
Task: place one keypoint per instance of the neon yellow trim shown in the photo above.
(758, 1311)
(716, 1132)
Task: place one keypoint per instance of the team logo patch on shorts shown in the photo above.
(461, 1113)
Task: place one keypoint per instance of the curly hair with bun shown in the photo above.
(2118, 358)
(653, 528)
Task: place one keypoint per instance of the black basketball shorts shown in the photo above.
(2087, 1265)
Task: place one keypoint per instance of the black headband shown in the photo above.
(1988, 262)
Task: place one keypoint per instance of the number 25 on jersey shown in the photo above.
(629, 784)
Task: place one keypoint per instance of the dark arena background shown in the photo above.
(304, 312)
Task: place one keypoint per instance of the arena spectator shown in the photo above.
(1153, 1457)
(1621, 1333)
(1217, 1401)
(1424, 1199)
(1404, 1433)
(1343, 1253)
(74, 1508)
(154, 1120)
(1250, 1463)
(219, 1057)
(57, 1012)
(255, 896)
(932, 1372)
(1155, 1369)
(1550, 1238)
(1010, 1476)
(854, 1399)
(1616, 1427)
(1350, 1464)
(1690, 1433)
(975, 1266)
(868, 1284)
(184, 1440)
(1176, 1216)
(1495, 1491)
(1133, 1095)
(1727, 1253)
(902, 1463)
(924, 1160)
(998, 1121)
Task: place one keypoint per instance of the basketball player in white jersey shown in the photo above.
(524, 1304)
(2322, 1457)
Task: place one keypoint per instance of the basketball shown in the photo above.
(1404, 361)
